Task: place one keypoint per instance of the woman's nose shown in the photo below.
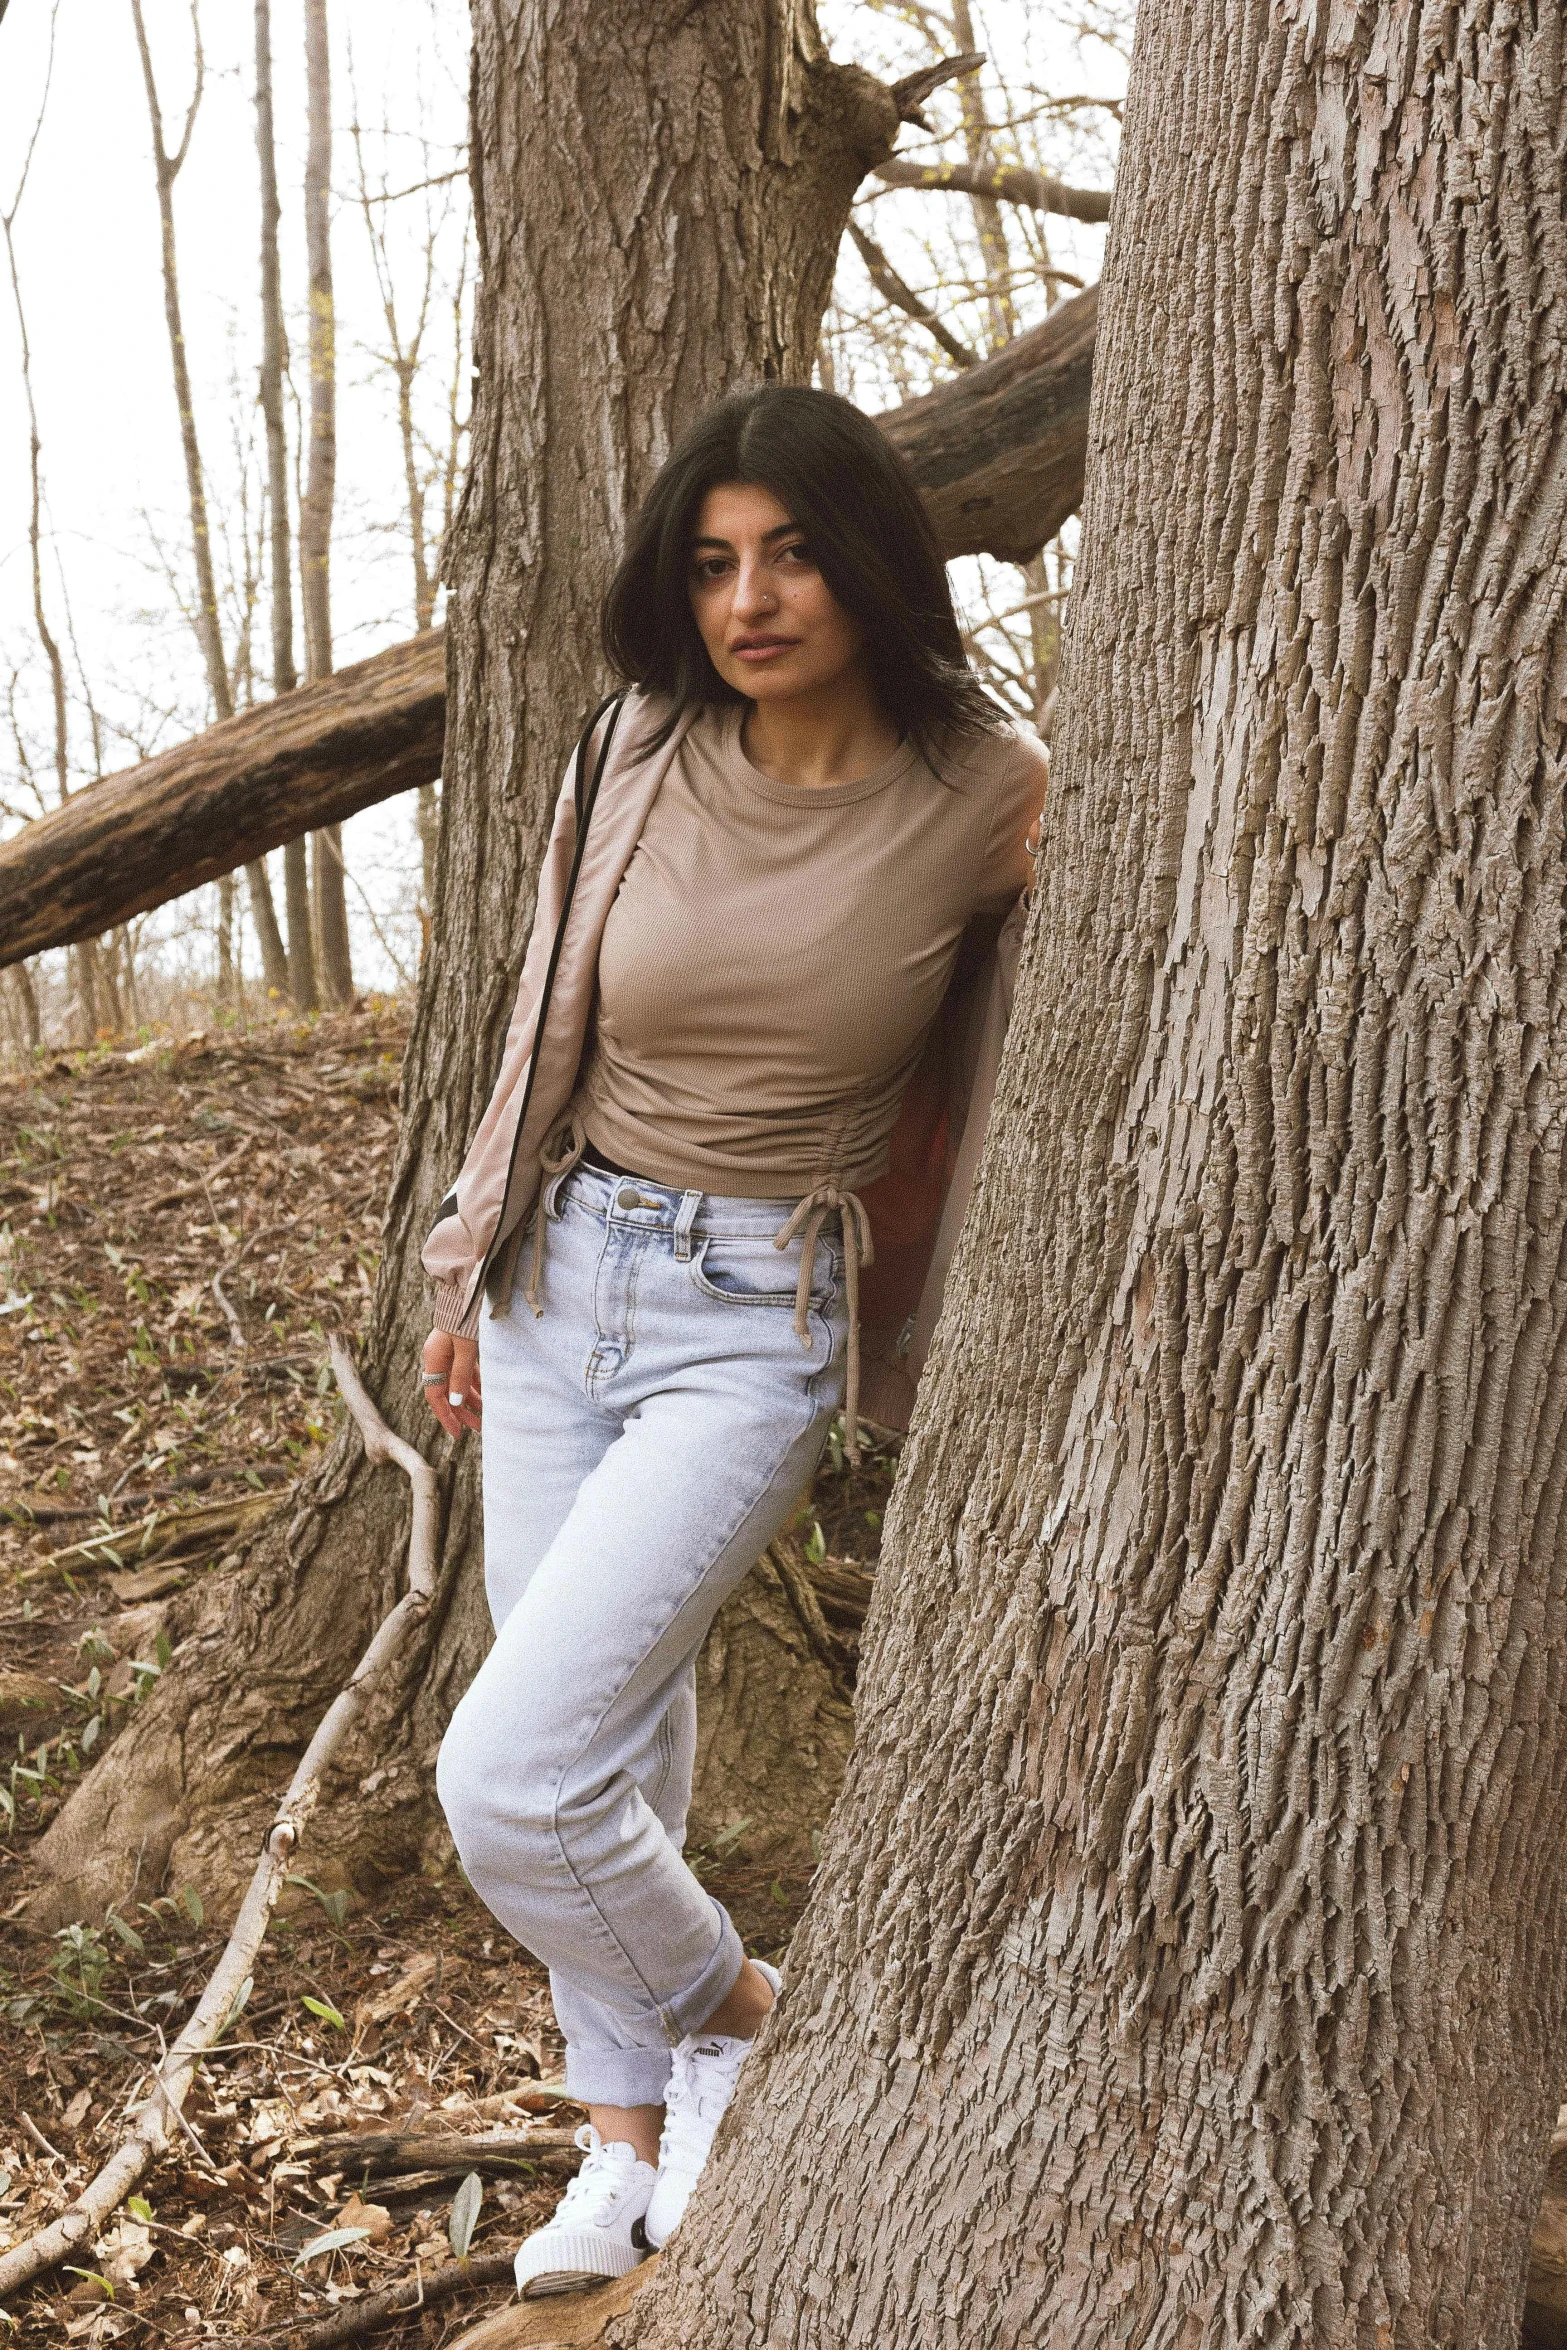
(754, 591)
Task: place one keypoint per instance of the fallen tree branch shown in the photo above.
(157, 1536)
(380, 2155)
(254, 781)
(24, 1513)
(228, 1987)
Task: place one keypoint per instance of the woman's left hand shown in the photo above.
(451, 1381)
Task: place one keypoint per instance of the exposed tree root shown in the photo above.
(567, 2321)
(159, 2114)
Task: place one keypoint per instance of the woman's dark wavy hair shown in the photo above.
(867, 529)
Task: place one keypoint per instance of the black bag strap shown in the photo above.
(584, 795)
(583, 799)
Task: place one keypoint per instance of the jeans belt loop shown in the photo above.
(683, 1223)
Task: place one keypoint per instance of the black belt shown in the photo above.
(593, 1158)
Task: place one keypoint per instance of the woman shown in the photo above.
(772, 870)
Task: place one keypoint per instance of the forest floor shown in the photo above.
(180, 1227)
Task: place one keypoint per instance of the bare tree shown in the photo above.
(334, 960)
(274, 360)
(167, 166)
(84, 957)
(424, 469)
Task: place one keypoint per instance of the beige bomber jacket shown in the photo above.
(916, 1209)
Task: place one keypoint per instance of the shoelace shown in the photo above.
(589, 2201)
(700, 2087)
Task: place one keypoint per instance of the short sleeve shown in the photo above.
(1018, 794)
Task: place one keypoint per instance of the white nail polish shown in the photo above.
(454, 1401)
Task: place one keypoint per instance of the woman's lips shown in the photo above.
(764, 648)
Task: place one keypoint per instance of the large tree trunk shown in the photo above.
(1190, 1954)
(660, 197)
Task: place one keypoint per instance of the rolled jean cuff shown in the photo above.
(690, 2011)
(617, 2076)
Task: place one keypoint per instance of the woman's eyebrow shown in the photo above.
(778, 531)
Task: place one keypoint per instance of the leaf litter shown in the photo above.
(179, 1229)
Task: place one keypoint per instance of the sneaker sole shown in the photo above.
(564, 2280)
(575, 2265)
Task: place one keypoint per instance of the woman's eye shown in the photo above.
(711, 567)
(798, 552)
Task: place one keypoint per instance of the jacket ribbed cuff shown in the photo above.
(447, 1310)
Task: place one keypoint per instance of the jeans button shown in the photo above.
(627, 1198)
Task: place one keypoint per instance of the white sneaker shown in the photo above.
(702, 2080)
(597, 2229)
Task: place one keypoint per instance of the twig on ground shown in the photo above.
(374, 2154)
(38, 2138)
(172, 1199)
(25, 1514)
(229, 1982)
(189, 2130)
(262, 1232)
(362, 2317)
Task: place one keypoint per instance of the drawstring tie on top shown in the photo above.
(563, 1151)
(859, 1249)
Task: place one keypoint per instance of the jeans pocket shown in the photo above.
(738, 1271)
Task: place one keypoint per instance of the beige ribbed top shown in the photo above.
(776, 954)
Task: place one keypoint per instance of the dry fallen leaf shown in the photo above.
(400, 1994)
(374, 2218)
(124, 2252)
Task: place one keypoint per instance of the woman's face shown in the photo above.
(771, 625)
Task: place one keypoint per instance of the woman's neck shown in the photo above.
(835, 734)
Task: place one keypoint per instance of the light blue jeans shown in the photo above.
(644, 1440)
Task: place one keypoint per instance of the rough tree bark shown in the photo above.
(660, 196)
(998, 455)
(334, 961)
(1190, 1949)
